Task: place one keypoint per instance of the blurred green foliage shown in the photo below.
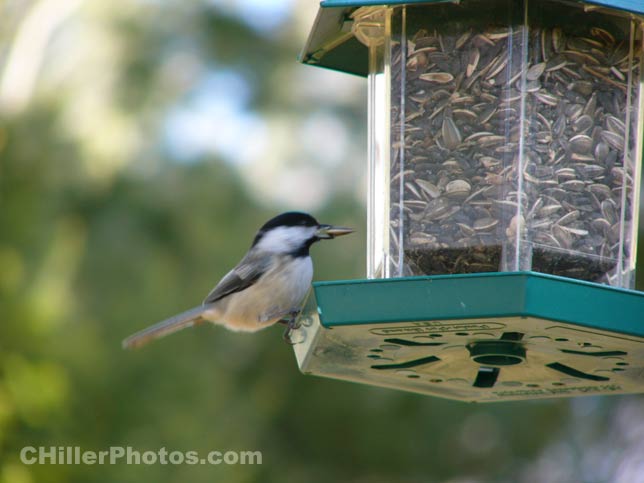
(94, 247)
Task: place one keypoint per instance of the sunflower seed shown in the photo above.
(437, 77)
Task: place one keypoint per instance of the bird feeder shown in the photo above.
(505, 151)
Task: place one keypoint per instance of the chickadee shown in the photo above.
(268, 285)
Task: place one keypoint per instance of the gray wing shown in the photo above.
(245, 274)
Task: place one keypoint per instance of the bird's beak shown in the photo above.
(330, 231)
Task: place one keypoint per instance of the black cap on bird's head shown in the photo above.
(290, 218)
(293, 219)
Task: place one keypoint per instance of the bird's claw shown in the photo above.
(291, 325)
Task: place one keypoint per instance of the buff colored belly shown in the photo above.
(275, 294)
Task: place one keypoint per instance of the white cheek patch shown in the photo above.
(285, 239)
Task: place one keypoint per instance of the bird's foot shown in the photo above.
(291, 325)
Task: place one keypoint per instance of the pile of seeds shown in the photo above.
(470, 194)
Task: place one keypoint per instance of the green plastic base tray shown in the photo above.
(479, 337)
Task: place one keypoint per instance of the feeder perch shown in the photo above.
(505, 151)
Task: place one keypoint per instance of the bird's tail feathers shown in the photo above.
(165, 327)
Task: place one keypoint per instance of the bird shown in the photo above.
(267, 286)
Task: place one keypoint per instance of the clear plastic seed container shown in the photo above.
(504, 135)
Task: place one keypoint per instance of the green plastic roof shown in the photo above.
(636, 6)
(331, 44)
